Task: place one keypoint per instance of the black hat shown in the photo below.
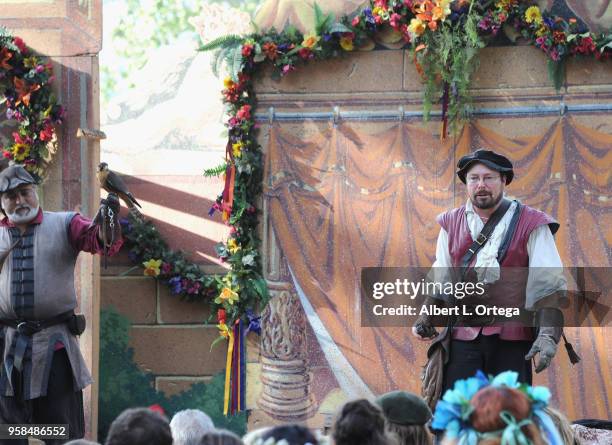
(489, 158)
(14, 176)
(404, 408)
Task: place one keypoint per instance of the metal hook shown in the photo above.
(562, 108)
(401, 113)
(270, 115)
(336, 114)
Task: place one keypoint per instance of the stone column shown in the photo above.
(286, 380)
(69, 32)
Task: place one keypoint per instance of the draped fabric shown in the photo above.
(366, 194)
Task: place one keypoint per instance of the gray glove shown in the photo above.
(550, 322)
(424, 325)
(546, 345)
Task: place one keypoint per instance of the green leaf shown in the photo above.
(556, 72)
(215, 171)
(339, 27)
(223, 41)
(236, 66)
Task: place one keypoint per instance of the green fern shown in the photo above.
(223, 41)
(322, 21)
(215, 171)
(236, 63)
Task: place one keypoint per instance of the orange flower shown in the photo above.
(24, 90)
(310, 41)
(5, 55)
(437, 13)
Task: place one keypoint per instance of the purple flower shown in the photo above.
(254, 322)
(10, 113)
(175, 285)
(283, 47)
(327, 37)
(368, 15)
(548, 21)
(133, 256)
(125, 225)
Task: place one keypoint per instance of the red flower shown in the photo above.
(19, 43)
(355, 21)
(559, 36)
(7, 154)
(158, 409)
(46, 134)
(305, 53)
(247, 49)
(221, 316)
(270, 50)
(378, 19)
(244, 113)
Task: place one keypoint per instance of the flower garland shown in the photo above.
(25, 85)
(445, 36)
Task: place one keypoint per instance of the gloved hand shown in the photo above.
(550, 323)
(423, 328)
(112, 201)
(546, 345)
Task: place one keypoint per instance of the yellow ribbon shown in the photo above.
(228, 371)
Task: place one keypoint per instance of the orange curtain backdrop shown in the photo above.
(366, 194)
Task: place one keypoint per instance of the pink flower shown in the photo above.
(7, 154)
(166, 268)
(355, 21)
(394, 20)
(46, 134)
(554, 54)
(287, 69)
(244, 113)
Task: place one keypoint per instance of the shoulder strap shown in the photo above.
(503, 248)
(484, 235)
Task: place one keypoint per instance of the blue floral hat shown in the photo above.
(453, 412)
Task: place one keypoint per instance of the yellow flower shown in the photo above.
(152, 267)
(20, 151)
(346, 43)
(533, 15)
(227, 295)
(310, 41)
(224, 330)
(505, 4)
(445, 9)
(30, 62)
(541, 31)
(378, 11)
(228, 83)
(232, 245)
(237, 149)
(416, 27)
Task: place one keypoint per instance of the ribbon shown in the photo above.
(235, 370)
(445, 100)
(227, 200)
(228, 372)
(242, 393)
(417, 65)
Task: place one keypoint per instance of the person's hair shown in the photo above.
(410, 434)
(563, 426)
(294, 434)
(139, 426)
(361, 423)
(189, 425)
(489, 402)
(220, 437)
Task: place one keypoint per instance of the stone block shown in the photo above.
(177, 350)
(508, 67)
(174, 310)
(135, 298)
(171, 386)
(583, 73)
(359, 71)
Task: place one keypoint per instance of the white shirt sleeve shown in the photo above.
(440, 271)
(545, 267)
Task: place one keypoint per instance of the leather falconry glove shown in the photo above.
(550, 323)
(424, 325)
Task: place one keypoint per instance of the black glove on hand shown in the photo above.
(112, 202)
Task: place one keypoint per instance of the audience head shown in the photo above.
(139, 426)
(406, 415)
(291, 434)
(360, 422)
(81, 442)
(481, 410)
(220, 437)
(189, 425)
(563, 426)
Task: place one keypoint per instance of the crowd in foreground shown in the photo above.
(480, 410)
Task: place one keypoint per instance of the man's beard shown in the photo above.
(17, 218)
(485, 201)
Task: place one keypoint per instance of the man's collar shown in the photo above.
(469, 207)
(39, 217)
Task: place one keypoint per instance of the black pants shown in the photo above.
(62, 404)
(489, 354)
